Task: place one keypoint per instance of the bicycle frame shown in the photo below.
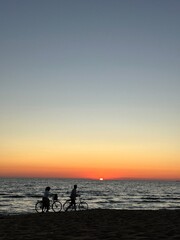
(80, 204)
(54, 204)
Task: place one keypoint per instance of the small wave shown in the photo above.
(151, 201)
(4, 205)
(3, 200)
(115, 201)
(171, 198)
(33, 196)
(150, 198)
(14, 196)
(21, 196)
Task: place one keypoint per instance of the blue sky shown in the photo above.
(97, 69)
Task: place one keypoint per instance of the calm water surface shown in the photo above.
(20, 195)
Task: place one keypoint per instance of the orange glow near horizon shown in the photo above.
(83, 163)
(41, 158)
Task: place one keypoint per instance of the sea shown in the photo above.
(19, 195)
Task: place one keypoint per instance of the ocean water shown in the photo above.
(20, 195)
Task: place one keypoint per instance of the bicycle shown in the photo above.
(55, 205)
(80, 205)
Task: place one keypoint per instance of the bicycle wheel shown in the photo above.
(67, 207)
(83, 206)
(57, 206)
(38, 207)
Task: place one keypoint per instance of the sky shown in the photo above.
(90, 89)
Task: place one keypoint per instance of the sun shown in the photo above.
(101, 179)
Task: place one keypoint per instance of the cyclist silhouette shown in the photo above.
(73, 198)
(45, 199)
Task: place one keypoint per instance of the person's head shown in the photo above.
(47, 189)
(75, 186)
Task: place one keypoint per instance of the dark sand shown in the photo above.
(93, 224)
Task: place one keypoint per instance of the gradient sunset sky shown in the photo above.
(90, 88)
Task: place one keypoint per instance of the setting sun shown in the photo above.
(101, 179)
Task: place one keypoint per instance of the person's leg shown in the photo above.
(43, 203)
(70, 205)
(48, 204)
(74, 204)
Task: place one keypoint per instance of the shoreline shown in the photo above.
(93, 224)
(2, 215)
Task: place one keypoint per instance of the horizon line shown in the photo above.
(93, 179)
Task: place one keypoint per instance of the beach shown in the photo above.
(92, 225)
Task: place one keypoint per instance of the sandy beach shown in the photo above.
(93, 224)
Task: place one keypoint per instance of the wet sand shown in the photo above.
(92, 225)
